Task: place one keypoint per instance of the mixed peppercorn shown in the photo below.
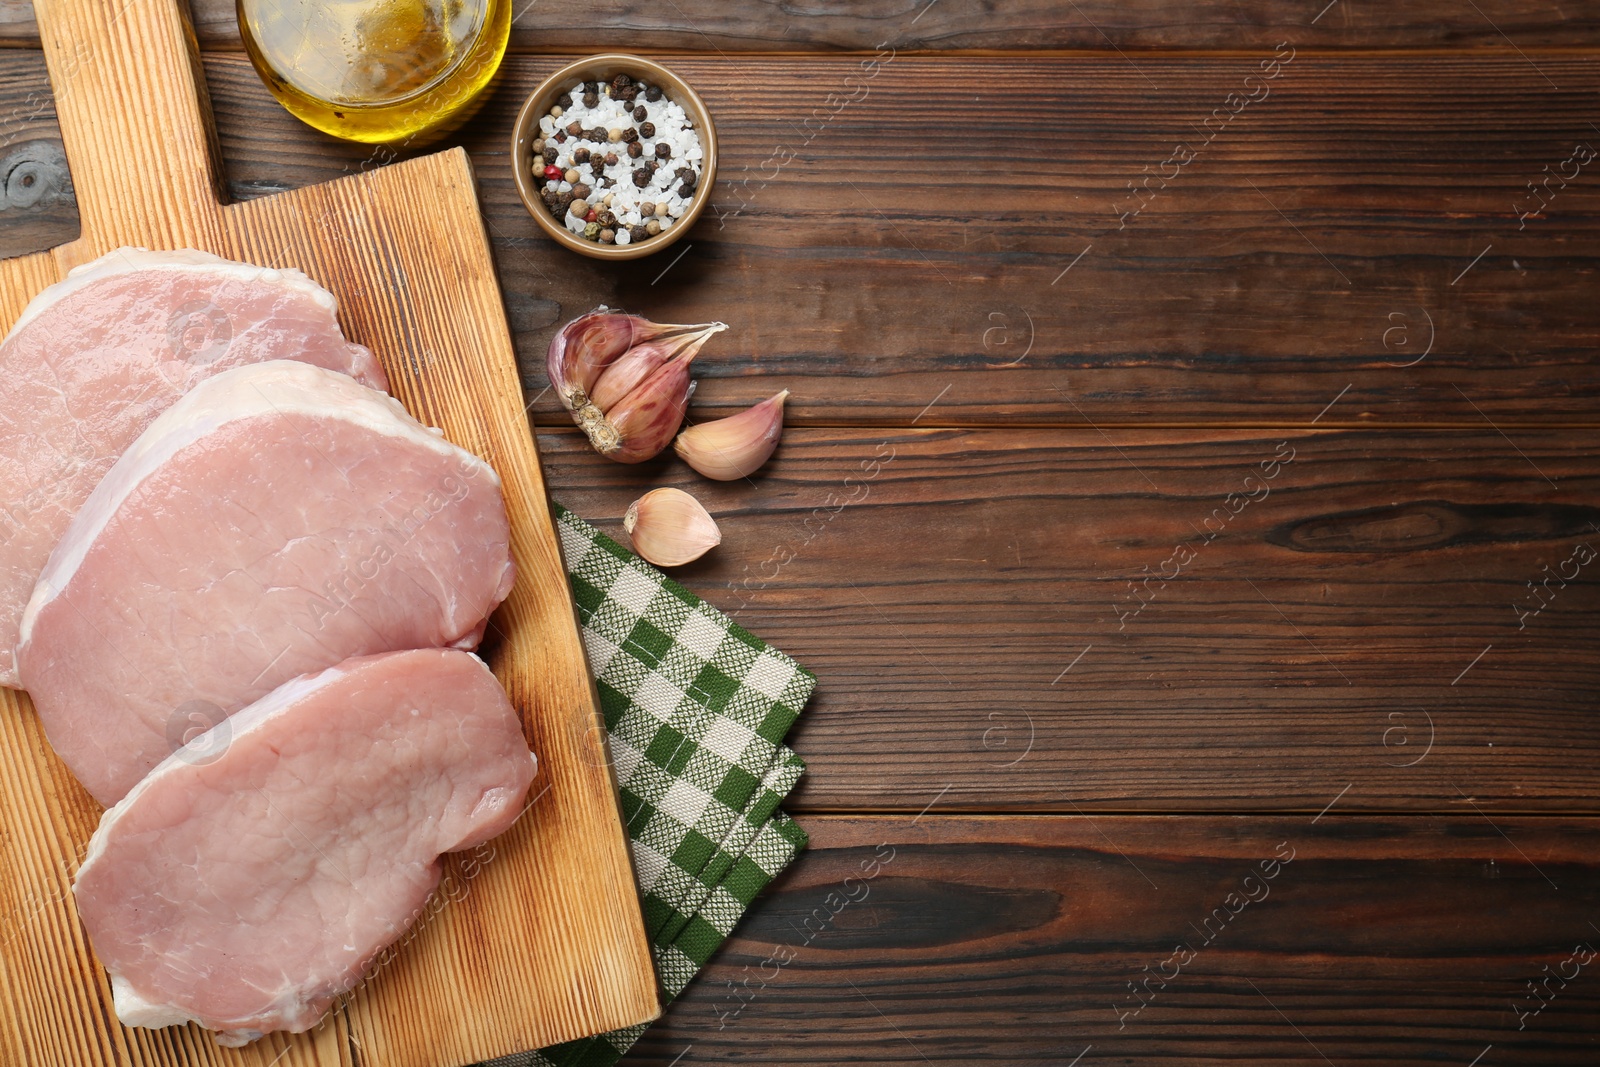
(613, 132)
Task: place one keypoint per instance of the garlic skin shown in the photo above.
(584, 347)
(737, 446)
(646, 419)
(668, 527)
(629, 371)
(625, 379)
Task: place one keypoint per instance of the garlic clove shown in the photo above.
(584, 347)
(668, 527)
(606, 366)
(628, 372)
(645, 357)
(737, 446)
(640, 424)
(646, 419)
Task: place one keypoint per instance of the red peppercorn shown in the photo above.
(592, 216)
(554, 173)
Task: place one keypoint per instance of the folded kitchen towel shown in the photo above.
(697, 709)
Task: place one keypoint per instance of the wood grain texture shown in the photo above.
(1017, 25)
(545, 942)
(1011, 941)
(875, 269)
(37, 207)
(947, 583)
(902, 270)
(882, 271)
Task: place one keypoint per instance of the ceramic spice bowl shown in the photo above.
(649, 165)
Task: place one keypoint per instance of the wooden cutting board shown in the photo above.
(540, 938)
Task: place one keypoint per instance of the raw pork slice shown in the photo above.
(277, 520)
(254, 877)
(99, 354)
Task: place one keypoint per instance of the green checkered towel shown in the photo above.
(697, 709)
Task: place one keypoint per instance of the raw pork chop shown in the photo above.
(277, 520)
(99, 354)
(251, 879)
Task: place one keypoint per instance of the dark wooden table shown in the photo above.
(1187, 504)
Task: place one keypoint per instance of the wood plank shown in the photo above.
(1334, 632)
(896, 264)
(903, 270)
(1012, 941)
(1019, 25)
(37, 207)
(546, 942)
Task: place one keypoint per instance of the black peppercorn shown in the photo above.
(591, 99)
(653, 165)
(686, 173)
(686, 190)
(561, 138)
(564, 100)
(580, 191)
(581, 156)
(630, 94)
(550, 153)
(652, 94)
(605, 217)
(635, 150)
(663, 150)
(574, 128)
(638, 233)
(641, 177)
(630, 135)
(562, 200)
(647, 129)
(611, 159)
(620, 82)
(640, 114)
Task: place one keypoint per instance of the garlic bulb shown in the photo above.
(737, 446)
(625, 379)
(668, 527)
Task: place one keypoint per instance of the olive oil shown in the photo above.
(377, 71)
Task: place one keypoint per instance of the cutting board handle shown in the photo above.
(135, 120)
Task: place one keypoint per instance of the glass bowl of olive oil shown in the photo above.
(377, 71)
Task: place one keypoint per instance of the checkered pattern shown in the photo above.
(697, 709)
